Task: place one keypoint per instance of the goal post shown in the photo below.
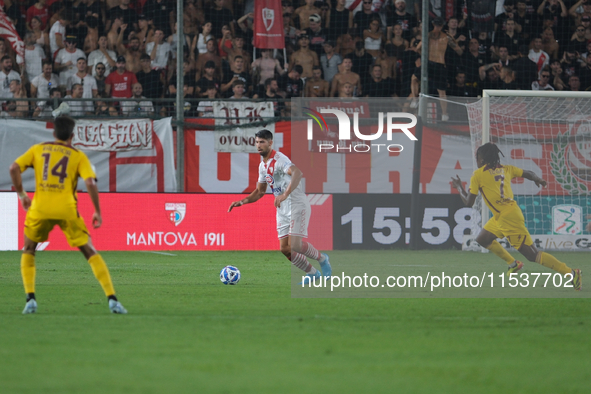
(549, 133)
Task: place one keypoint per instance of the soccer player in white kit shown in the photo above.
(293, 207)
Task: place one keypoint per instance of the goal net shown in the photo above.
(548, 133)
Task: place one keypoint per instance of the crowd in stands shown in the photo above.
(127, 49)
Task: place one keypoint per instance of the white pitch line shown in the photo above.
(163, 253)
(410, 265)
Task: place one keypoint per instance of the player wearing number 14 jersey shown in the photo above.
(493, 181)
(293, 208)
(57, 168)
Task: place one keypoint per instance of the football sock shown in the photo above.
(497, 249)
(28, 272)
(547, 260)
(101, 272)
(310, 251)
(300, 261)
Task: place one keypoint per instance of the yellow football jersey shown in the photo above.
(495, 186)
(57, 168)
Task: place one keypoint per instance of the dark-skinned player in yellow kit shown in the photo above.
(493, 181)
(57, 168)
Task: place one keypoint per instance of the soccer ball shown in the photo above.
(229, 275)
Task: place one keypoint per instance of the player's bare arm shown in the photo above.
(533, 177)
(252, 197)
(296, 177)
(467, 198)
(92, 188)
(17, 181)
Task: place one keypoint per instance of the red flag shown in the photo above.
(8, 32)
(268, 25)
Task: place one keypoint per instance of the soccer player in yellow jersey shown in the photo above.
(57, 168)
(493, 181)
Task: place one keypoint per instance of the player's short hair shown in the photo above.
(63, 127)
(489, 153)
(264, 134)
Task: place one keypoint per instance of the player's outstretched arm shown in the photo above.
(17, 181)
(97, 220)
(252, 197)
(467, 198)
(533, 177)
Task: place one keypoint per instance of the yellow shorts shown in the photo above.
(75, 230)
(510, 224)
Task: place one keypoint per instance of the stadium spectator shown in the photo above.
(41, 37)
(208, 79)
(39, 9)
(502, 18)
(99, 76)
(473, 60)
(211, 55)
(237, 49)
(188, 80)
(525, 20)
(291, 84)
(146, 31)
(132, 53)
(362, 61)
(301, 16)
(316, 86)
(151, 80)
(239, 90)
(401, 17)
(363, 18)
(346, 43)
(373, 37)
(238, 73)
(544, 82)
(159, 51)
(219, 16)
(509, 39)
(92, 35)
(346, 90)
(42, 84)
(6, 75)
(140, 106)
(584, 74)
(304, 57)
(289, 31)
(549, 43)
(205, 107)
(569, 63)
(265, 67)
(65, 61)
(105, 109)
(330, 61)
(270, 94)
(377, 86)
(87, 81)
(578, 42)
(574, 84)
(508, 79)
(128, 16)
(586, 23)
(316, 34)
(459, 88)
(34, 56)
(161, 13)
(17, 108)
(101, 55)
(345, 75)
(45, 108)
(399, 43)
(388, 61)
(580, 10)
(537, 55)
(204, 36)
(114, 32)
(77, 107)
(558, 77)
(118, 84)
(225, 42)
(489, 79)
(339, 20)
(555, 11)
(57, 34)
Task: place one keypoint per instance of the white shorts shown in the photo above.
(293, 221)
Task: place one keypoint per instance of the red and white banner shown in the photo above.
(240, 114)
(146, 170)
(8, 32)
(159, 222)
(268, 25)
(113, 135)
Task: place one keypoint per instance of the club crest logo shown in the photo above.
(268, 18)
(175, 211)
(567, 219)
(270, 180)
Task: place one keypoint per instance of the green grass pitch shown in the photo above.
(188, 333)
